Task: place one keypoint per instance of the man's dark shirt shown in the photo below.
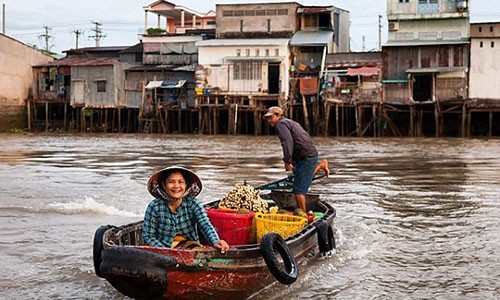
(296, 142)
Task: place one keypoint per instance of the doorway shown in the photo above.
(273, 84)
(422, 87)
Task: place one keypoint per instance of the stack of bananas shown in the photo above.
(244, 196)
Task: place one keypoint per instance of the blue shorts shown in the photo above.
(304, 172)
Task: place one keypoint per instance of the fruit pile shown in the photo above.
(244, 196)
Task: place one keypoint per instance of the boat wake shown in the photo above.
(90, 206)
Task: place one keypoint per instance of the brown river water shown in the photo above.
(416, 218)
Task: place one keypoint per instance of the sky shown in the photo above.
(30, 21)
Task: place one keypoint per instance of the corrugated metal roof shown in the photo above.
(242, 42)
(436, 70)
(76, 61)
(311, 38)
(423, 43)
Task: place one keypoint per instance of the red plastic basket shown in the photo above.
(233, 228)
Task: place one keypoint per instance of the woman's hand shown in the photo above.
(222, 246)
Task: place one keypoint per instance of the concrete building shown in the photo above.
(484, 61)
(16, 80)
(426, 61)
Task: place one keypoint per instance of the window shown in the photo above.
(492, 44)
(227, 13)
(282, 12)
(267, 52)
(257, 52)
(247, 70)
(238, 52)
(238, 13)
(480, 29)
(241, 25)
(268, 25)
(310, 21)
(260, 12)
(406, 1)
(276, 52)
(247, 52)
(101, 86)
(491, 28)
(481, 44)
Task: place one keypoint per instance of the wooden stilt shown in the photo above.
(65, 113)
(374, 117)
(46, 116)
(327, 119)
(179, 119)
(411, 130)
(356, 119)
(29, 115)
(464, 116)
(306, 117)
(469, 117)
(490, 131)
(337, 128)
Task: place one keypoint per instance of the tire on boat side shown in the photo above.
(271, 245)
(136, 273)
(97, 250)
(326, 240)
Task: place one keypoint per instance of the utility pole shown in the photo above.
(3, 18)
(380, 32)
(98, 35)
(77, 33)
(46, 36)
(363, 48)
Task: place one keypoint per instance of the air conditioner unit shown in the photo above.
(393, 25)
(461, 5)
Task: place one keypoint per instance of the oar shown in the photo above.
(286, 183)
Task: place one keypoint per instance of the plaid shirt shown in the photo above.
(161, 225)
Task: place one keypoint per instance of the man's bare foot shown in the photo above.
(324, 166)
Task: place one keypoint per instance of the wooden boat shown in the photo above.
(143, 272)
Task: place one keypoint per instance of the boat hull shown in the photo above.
(206, 273)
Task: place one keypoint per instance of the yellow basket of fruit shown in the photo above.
(284, 225)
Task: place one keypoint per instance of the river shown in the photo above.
(416, 218)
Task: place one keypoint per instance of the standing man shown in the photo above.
(299, 153)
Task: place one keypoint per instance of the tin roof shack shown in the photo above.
(165, 81)
(246, 66)
(484, 90)
(87, 78)
(16, 80)
(351, 85)
(321, 30)
(166, 97)
(426, 59)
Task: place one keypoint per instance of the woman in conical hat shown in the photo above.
(175, 211)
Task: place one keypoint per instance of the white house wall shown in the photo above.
(220, 73)
(485, 67)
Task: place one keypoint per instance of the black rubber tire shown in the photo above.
(98, 247)
(136, 273)
(271, 245)
(326, 240)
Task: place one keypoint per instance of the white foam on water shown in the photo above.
(90, 206)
